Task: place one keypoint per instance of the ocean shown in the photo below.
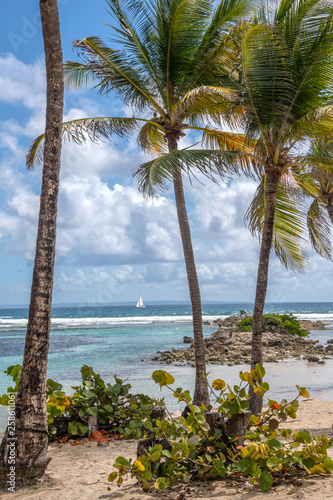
(121, 340)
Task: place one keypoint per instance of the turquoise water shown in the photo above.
(115, 340)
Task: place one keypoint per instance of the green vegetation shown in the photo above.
(196, 451)
(117, 411)
(263, 453)
(287, 322)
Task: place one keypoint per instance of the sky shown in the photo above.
(112, 244)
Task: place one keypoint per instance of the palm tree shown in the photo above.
(287, 82)
(170, 49)
(31, 431)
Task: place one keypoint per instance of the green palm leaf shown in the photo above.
(320, 230)
(136, 34)
(84, 129)
(268, 80)
(151, 138)
(156, 173)
(205, 101)
(113, 72)
(289, 224)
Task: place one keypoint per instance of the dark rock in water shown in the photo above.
(330, 341)
(206, 323)
(329, 348)
(187, 340)
(312, 359)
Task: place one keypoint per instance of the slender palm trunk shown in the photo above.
(31, 434)
(201, 395)
(261, 289)
(330, 209)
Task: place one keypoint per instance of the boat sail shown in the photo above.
(140, 303)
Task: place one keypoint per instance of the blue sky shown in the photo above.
(113, 245)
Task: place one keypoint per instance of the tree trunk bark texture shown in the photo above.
(261, 289)
(201, 395)
(31, 432)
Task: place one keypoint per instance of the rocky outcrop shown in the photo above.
(312, 325)
(228, 347)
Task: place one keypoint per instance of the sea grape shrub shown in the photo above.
(15, 373)
(270, 453)
(115, 408)
(287, 322)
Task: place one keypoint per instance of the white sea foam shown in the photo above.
(64, 323)
(325, 317)
(107, 322)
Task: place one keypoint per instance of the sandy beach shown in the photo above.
(80, 471)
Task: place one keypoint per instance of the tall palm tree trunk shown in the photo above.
(31, 433)
(330, 209)
(262, 278)
(201, 395)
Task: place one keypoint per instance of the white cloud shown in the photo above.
(97, 224)
(109, 225)
(22, 83)
(96, 278)
(109, 237)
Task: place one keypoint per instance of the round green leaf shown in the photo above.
(112, 476)
(265, 481)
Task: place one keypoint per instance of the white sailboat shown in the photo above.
(140, 303)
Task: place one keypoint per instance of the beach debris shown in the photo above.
(92, 424)
(100, 437)
(64, 439)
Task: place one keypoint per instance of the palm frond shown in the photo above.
(320, 230)
(312, 124)
(293, 17)
(78, 75)
(216, 139)
(115, 72)
(136, 33)
(155, 174)
(289, 225)
(205, 101)
(309, 162)
(268, 80)
(311, 59)
(229, 141)
(215, 54)
(83, 129)
(181, 27)
(152, 139)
